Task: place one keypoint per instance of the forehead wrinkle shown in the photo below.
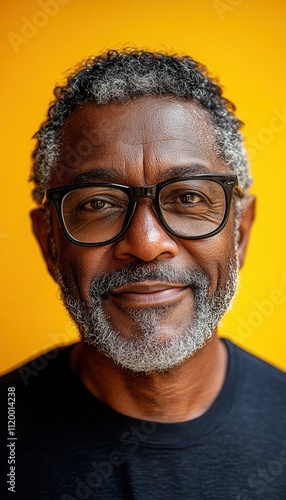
(132, 160)
(145, 163)
(172, 161)
(148, 148)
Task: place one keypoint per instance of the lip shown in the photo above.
(135, 295)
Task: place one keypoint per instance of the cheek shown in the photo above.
(79, 265)
(212, 255)
(85, 264)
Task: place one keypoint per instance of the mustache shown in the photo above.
(138, 273)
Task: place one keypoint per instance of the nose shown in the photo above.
(146, 239)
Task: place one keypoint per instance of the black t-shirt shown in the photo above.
(72, 446)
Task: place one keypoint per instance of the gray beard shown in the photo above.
(145, 351)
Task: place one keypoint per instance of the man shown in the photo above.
(144, 215)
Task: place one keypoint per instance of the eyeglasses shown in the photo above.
(99, 213)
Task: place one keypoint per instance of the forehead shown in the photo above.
(143, 141)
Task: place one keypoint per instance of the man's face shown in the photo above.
(151, 294)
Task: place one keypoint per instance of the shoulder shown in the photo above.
(48, 370)
(260, 382)
(255, 363)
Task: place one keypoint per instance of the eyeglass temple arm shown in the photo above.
(239, 191)
(44, 200)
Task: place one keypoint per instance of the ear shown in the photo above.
(41, 232)
(247, 217)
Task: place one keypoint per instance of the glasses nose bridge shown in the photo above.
(144, 192)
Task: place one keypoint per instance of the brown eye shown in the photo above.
(191, 198)
(95, 205)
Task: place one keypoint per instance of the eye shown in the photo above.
(187, 199)
(95, 204)
(185, 202)
(190, 198)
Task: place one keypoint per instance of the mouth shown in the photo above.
(151, 294)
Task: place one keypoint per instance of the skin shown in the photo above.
(140, 143)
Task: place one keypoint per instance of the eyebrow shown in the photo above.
(96, 174)
(187, 170)
(113, 174)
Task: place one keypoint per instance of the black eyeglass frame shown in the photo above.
(229, 183)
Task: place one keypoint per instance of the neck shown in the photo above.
(184, 393)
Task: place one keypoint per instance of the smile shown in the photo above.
(135, 295)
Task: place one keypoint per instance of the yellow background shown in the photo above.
(243, 41)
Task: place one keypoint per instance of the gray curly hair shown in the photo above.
(119, 76)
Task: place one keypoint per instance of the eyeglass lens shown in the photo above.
(190, 208)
